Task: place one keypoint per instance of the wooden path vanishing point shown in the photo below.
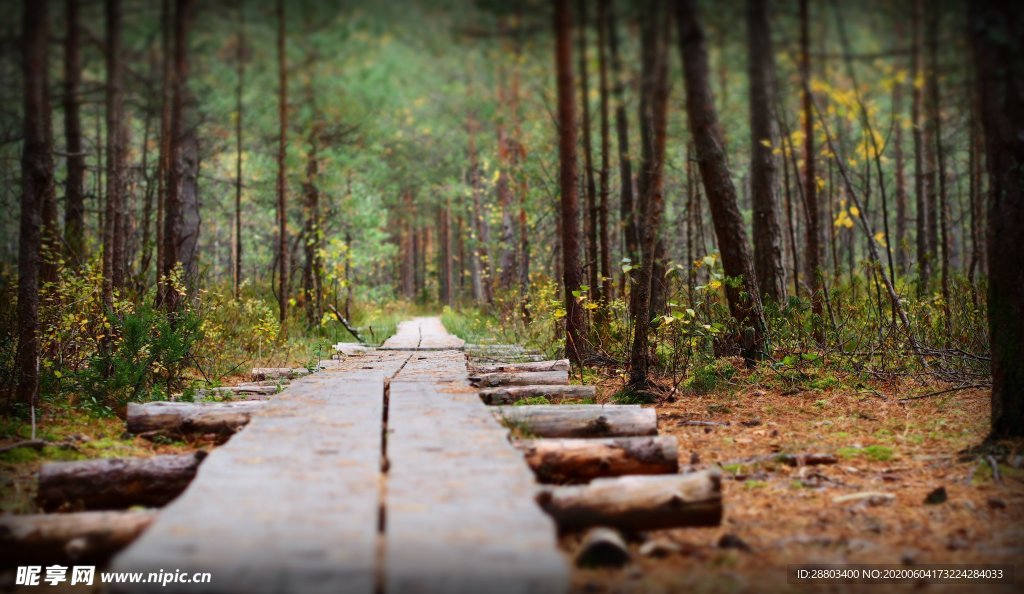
(383, 474)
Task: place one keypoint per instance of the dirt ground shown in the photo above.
(786, 515)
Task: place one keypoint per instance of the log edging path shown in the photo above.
(383, 473)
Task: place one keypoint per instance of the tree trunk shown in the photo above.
(745, 304)
(282, 153)
(588, 158)
(520, 378)
(771, 276)
(653, 128)
(998, 39)
(74, 183)
(604, 181)
(163, 164)
(236, 255)
(575, 336)
(112, 255)
(584, 420)
(174, 222)
(191, 222)
(115, 483)
(939, 208)
(899, 242)
(582, 460)
(638, 502)
(626, 207)
(36, 182)
(312, 274)
(79, 538)
(921, 203)
(814, 272)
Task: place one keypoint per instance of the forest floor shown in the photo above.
(777, 515)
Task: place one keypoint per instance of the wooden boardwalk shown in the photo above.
(385, 473)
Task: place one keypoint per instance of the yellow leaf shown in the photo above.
(854, 211)
(880, 238)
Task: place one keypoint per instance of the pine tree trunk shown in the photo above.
(114, 116)
(282, 153)
(575, 337)
(236, 252)
(74, 183)
(630, 241)
(921, 202)
(745, 304)
(813, 248)
(771, 276)
(603, 185)
(588, 158)
(36, 182)
(998, 39)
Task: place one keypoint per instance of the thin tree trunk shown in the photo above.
(593, 258)
(939, 208)
(311, 272)
(771, 275)
(902, 259)
(236, 255)
(998, 40)
(921, 202)
(282, 153)
(603, 232)
(745, 304)
(813, 248)
(163, 164)
(575, 336)
(626, 207)
(74, 183)
(36, 183)
(114, 116)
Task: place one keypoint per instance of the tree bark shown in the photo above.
(920, 175)
(115, 483)
(282, 154)
(236, 255)
(745, 304)
(626, 207)
(36, 182)
(575, 337)
(771, 275)
(81, 538)
(899, 242)
(74, 183)
(603, 176)
(638, 502)
(590, 190)
(582, 460)
(998, 39)
(584, 420)
(814, 272)
(112, 240)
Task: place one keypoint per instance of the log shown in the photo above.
(580, 420)
(603, 547)
(236, 392)
(85, 538)
(521, 378)
(556, 365)
(265, 373)
(638, 502)
(115, 483)
(181, 419)
(582, 460)
(555, 394)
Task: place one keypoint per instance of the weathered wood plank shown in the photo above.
(422, 334)
(270, 373)
(555, 394)
(580, 420)
(115, 483)
(290, 504)
(460, 511)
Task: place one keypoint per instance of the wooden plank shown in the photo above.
(461, 515)
(581, 460)
(554, 394)
(80, 538)
(556, 365)
(580, 420)
(184, 419)
(290, 504)
(422, 334)
(520, 378)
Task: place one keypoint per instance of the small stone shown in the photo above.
(732, 541)
(937, 496)
(694, 458)
(751, 422)
(659, 548)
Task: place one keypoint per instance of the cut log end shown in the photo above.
(81, 538)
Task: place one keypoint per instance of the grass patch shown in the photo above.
(878, 453)
(708, 377)
(631, 396)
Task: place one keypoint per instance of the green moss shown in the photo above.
(532, 400)
(708, 377)
(631, 396)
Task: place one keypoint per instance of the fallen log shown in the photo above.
(556, 365)
(580, 420)
(236, 392)
(87, 538)
(638, 502)
(513, 394)
(115, 483)
(181, 419)
(582, 460)
(521, 378)
(603, 547)
(268, 373)
(348, 326)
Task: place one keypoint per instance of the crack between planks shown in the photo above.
(385, 466)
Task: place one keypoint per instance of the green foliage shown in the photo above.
(708, 377)
(878, 453)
